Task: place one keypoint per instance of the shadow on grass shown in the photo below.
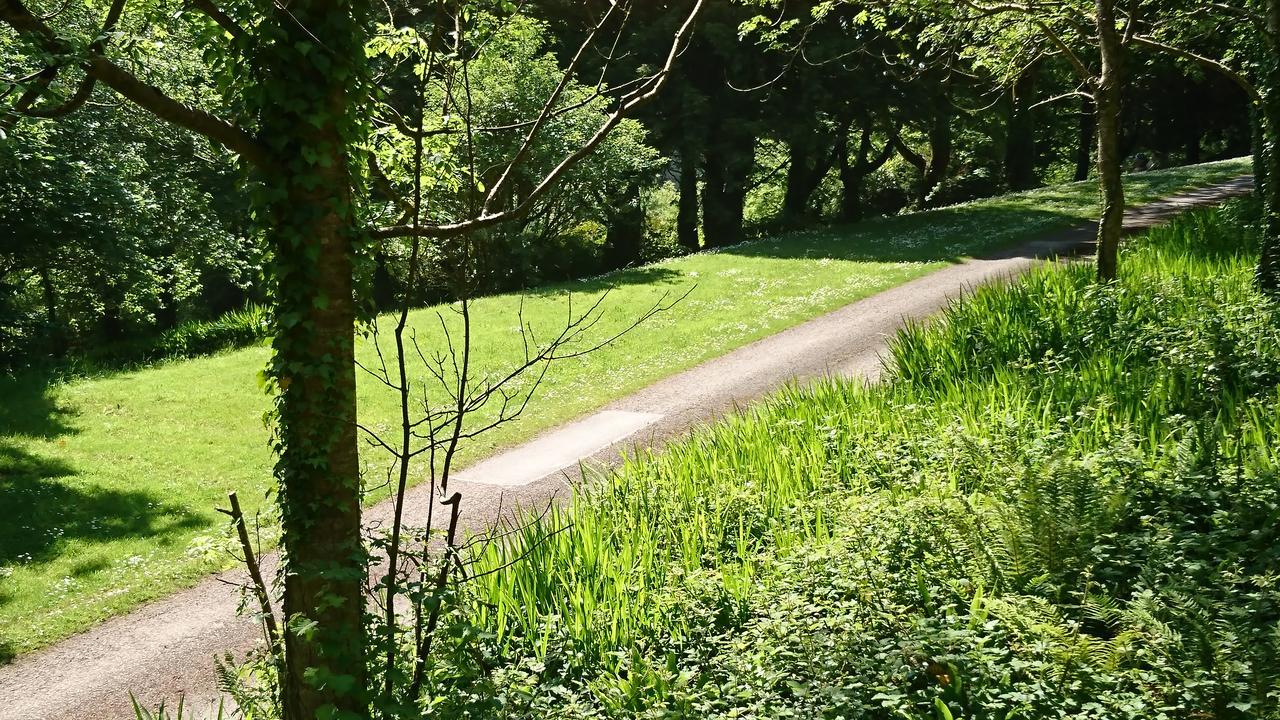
(43, 501)
(943, 235)
(46, 506)
(645, 275)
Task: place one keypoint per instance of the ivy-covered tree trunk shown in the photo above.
(310, 57)
(687, 215)
(1107, 100)
(1267, 161)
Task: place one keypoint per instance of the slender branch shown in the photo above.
(216, 14)
(642, 95)
(1254, 95)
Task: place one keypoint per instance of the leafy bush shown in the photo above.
(1060, 504)
(234, 329)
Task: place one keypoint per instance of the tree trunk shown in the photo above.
(853, 173)
(1085, 139)
(308, 57)
(1020, 140)
(687, 217)
(111, 323)
(1191, 147)
(625, 236)
(1268, 177)
(1108, 106)
(167, 311)
(940, 150)
(810, 159)
(57, 338)
(727, 163)
(795, 201)
(384, 284)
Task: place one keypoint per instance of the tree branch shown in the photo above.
(223, 20)
(128, 85)
(627, 103)
(1209, 63)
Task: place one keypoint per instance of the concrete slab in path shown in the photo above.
(165, 648)
(560, 449)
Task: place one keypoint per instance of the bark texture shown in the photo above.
(1107, 99)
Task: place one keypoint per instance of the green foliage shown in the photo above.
(117, 226)
(507, 83)
(233, 330)
(1060, 504)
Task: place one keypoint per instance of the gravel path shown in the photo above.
(164, 649)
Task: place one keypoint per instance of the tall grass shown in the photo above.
(1019, 444)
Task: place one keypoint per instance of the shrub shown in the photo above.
(234, 329)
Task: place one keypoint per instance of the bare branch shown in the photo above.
(628, 103)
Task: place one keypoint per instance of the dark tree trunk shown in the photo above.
(810, 159)
(940, 150)
(625, 236)
(1020, 140)
(795, 201)
(1191, 151)
(111, 323)
(851, 185)
(726, 167)
(1267, 162)
(57, 337)
(385, 291)
(306, 120)
(855, 169)
(687, 216)
(1108, 104)
(167, 310)
(1087, 129)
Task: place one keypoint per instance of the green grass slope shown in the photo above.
(1060, 504)
(110, 484)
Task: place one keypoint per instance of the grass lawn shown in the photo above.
(109, 484)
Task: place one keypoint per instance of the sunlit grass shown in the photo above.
(1026, 410)
(110, 483)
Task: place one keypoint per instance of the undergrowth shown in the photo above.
(1061, 503)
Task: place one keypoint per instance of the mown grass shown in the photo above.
(1060, 503)
(111, 482)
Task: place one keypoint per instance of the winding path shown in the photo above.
(165, 648)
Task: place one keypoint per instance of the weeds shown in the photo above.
(1060, 504)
